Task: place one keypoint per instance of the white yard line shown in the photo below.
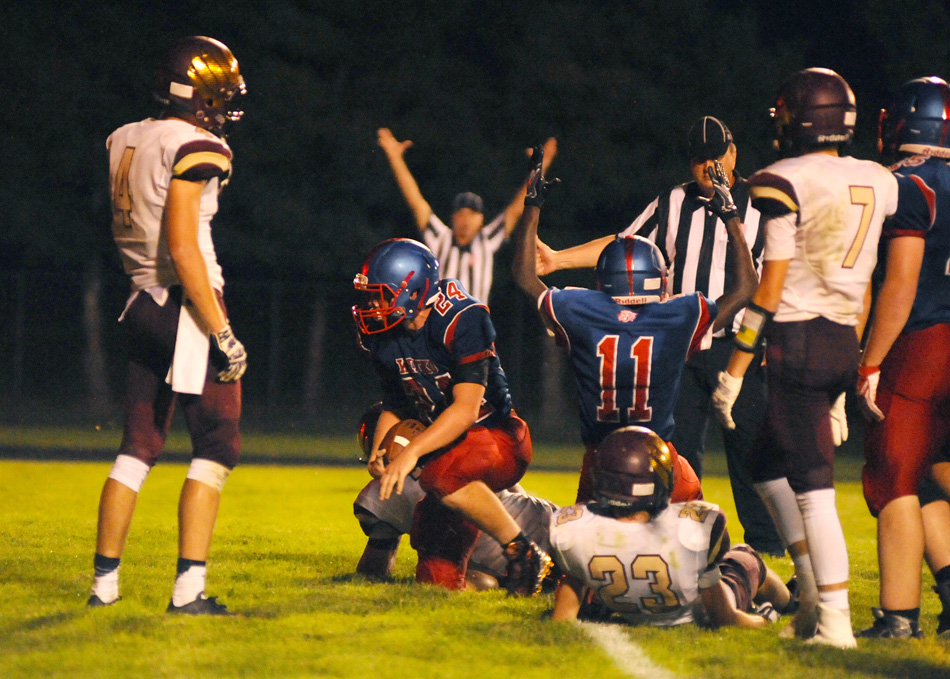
(628, 656)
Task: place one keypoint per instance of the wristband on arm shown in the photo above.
(753, 328)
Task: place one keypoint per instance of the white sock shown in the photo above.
(779, 499)
(826, 545)
(189, 585)
(106, 587)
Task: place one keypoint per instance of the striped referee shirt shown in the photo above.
(472, 264)
(695, 242)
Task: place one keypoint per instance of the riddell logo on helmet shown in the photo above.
(826, 138)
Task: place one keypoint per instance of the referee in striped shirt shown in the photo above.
(694, 243)
(466, 249)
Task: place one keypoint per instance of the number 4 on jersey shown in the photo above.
(641, 358)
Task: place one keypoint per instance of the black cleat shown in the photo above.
(528, 565)
(95, 602)
(943, 624)
(201, 606)
(890, 626)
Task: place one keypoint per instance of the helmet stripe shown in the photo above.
(628, 250)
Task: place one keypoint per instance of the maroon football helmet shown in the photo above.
(199, 76)
(633, 471)
(815, 108)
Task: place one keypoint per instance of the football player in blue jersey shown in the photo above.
(433, 346)
(627, 341)
(904, 376)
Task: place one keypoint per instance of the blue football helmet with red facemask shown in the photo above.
(632, 271)
(918, 120)
(399, 277)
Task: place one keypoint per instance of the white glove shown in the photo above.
(229, 355)
(767, 611)
(839, 422)
(868, 377)
(725, 395)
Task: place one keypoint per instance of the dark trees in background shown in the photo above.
(472, 83)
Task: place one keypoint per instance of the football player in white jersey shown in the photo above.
(650, 561)
(384, 522)
(824, 216)
(165, 175)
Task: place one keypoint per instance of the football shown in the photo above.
(399, 436)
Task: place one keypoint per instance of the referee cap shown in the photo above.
(468, 199)
(709, 138)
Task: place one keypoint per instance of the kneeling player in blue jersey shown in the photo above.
(433, 346)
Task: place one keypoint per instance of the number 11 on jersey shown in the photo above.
(641, 357)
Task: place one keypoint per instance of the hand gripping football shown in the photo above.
(399, 436)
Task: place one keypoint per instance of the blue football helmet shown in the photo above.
(918, 120)
(632, 271)
(633, 472)
(399, 277)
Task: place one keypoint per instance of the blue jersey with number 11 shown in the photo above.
(627, 360)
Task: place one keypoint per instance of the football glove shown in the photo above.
(228, 355)
(868, 377)
(767, 611)
(721, 203)
(724, 397)
(538, 185)
(839, 422)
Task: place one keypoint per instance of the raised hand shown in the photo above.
(538, 185)
(721, 203)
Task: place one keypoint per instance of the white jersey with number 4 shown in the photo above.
(650, 573)
(825, 214)
(144, 157)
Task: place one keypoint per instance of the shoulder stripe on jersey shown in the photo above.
(772, 201)
(702, 327)
(448, 337)
(201, 165)
(547, 307)
(929, 195)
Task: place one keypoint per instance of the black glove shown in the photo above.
(228, 355)
(721, 203)
(538, 186)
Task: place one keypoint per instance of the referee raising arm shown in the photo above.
(466, 250)
(695, 244)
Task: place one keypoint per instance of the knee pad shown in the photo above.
(209, 473)
(129, 471)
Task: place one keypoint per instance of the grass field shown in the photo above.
(285, 548)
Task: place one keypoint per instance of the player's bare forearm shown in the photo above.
(523, 269)
(182, 211)
(385, 422)
(723, 613)
(567, 599)
(454, 421)
(743, 271)
(904, 258)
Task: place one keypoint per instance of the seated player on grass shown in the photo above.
(385, 522)
(650, 561)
